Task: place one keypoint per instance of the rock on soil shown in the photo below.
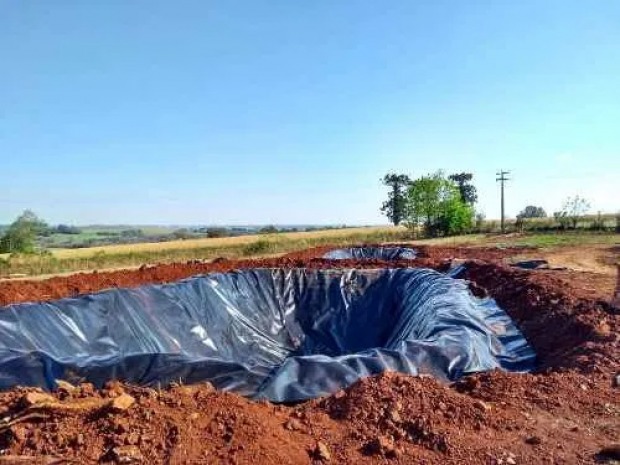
(121, 403)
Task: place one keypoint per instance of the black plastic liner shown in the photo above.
(531, 264)
(371, 253)
(283, 335)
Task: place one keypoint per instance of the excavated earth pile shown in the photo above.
(566, 411)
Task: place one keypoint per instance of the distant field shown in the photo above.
(222, 242)
(130, 255)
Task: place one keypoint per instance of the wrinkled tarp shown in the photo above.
(371, 253)
(284, 335)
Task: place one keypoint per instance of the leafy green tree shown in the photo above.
(396, 205)
(532, 211)
(467, 190)
(435, 203)
(456, 216)
(22, 234)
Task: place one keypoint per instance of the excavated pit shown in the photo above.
(283, 335)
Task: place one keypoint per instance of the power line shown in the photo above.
(501, 177)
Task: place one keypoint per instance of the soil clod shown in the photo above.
(121, 403)
(321, 452)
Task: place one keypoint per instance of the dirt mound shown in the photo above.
(178, 425)
(566, 329)
(494, 418)
(393, 415)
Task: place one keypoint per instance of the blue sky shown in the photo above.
(289, 111)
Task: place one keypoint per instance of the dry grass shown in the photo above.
(223, 242)
(130, 255)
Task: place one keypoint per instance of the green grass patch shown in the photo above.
(571, 238)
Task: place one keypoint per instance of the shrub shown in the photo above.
(269, 229)
(258, 247)
(217, 232)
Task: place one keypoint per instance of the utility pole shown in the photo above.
(501, 177)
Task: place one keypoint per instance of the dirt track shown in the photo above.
(567, 412)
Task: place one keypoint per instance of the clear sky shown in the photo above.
(289, 111)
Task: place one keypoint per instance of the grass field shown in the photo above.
(131, 255)
(223, 242)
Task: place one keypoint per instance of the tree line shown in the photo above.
(433, 204)
(29, 234)
(439, 205)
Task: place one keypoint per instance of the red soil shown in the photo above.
(567, 412)
(15, 291)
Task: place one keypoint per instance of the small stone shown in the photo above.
(86, 389)
(127, 454)
(113, 389)
(612, 451)
(511, 459)
(394, 416)
(616, 380)
(293, 424)
(132, 439)
(37, 398)
(321, 452)
(79, 439)
(381, 445)
(65, 386)
(603, 328)
(533, 440)
(194, 416)
(121, 403)
(482, 405)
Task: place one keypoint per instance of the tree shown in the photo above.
(466, 189)
(269, 229)
(22, 234)
(217, 232)
(66, 229)
(532, 211)
(182, 233)
(395, 206)
(436, 204)
(572, 209)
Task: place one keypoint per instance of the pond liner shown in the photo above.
(371, 253)
(276, 334)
